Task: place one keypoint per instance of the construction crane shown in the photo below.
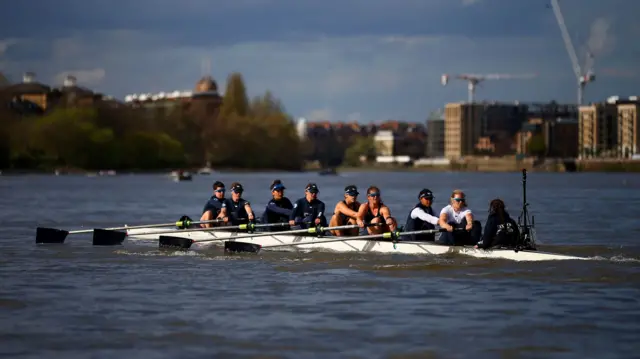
(474, 80)
(583, 77)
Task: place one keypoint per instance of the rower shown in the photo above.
(421, 218)
(308, 211)
(374, 211)
(240, 211)
(346, 212)
(500, 230)
(279, 207)
(216, 207)
(458, 220)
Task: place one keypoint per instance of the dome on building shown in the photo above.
(206, 84)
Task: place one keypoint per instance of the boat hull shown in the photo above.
(346, 244)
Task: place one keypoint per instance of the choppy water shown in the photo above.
(135, 301)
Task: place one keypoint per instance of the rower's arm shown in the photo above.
(385, 212)
(224, 211)
(344, 209)
(469, 217)
(273, 207)
(421, 214)
(442, 221)
(247, 207)
(294, 212)
(361, 212)
(490, 230)
(320, 210)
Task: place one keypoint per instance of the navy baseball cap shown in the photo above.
(277, 186)
(351, 190)
(312, 187)
(425, 193)
(237, 188)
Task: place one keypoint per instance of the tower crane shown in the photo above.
(583, 77)
(474, 80)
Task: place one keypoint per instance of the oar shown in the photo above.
(233, 246)
(248, 226)
(185, 243)
(106, 236)
(112, 237)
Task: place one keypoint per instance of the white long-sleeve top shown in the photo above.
(421, 214)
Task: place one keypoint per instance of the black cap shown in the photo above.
(425, 193)
(312, 187)
(237, 187)
(277, 185)
(218, 184)
(351, 190)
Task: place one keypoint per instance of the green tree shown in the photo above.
(235, 97)
(151, 150)
(241, 133)
(65, 137)
(363, 146)
(266, 105)
(265, 138)
(536, 145)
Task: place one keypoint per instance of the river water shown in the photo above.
(132, 301)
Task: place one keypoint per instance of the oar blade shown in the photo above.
(106, 237)
(175, 242)
(241, 247)
(50, 235)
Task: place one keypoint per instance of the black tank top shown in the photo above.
(343, 217)
(369, 215)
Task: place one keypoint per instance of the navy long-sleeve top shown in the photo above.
(277, 211)
(305, 212)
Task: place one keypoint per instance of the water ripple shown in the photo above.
(136, 300)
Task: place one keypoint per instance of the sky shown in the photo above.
(362, 60)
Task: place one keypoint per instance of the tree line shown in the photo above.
(240, 133)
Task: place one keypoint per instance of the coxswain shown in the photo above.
(500, 230)
(457, 219)
(279, 208)
(374, 211)
(308, 211)
(240, 211)
(346, 212)
(216, 207)
(421, 218)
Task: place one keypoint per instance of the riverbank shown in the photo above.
(508, 165)
(467, 165)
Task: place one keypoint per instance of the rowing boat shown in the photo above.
(525, 251)
(348, 244)
(235, 239)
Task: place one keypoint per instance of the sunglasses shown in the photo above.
(458, 199)
(374, 194)
(222, 190)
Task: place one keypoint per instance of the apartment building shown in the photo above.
(488, 128)
(628, 130)
(598, 130)
(462, 128)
